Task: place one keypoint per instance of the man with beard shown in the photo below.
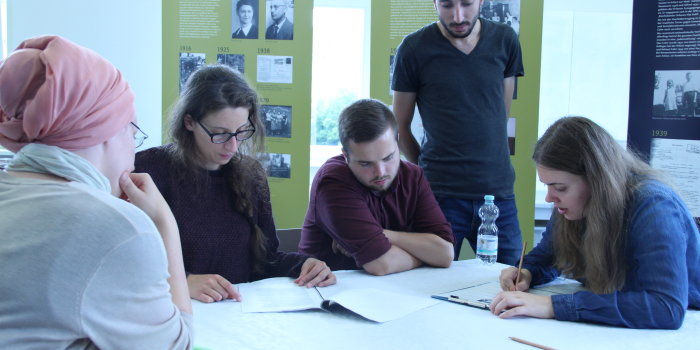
(461, 71)
(368, 208)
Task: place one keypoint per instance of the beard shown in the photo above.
(471, 24)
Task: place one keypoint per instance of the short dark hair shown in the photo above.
(364, 121)
(240, 3)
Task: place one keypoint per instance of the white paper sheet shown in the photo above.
(281, 294)
(277, 294)
(380, 305)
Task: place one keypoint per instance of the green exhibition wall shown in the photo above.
(192, 27)
(394, 19)
(198, 31)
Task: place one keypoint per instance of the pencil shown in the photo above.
(520, 265)
(523, 341)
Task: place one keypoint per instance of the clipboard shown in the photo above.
(479, 293)
(479, 304)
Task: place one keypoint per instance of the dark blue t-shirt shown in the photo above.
(460, 99)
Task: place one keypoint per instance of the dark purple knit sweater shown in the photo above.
(215, 238)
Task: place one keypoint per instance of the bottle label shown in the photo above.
(486, 245)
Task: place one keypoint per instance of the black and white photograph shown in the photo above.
(680, 160)
(189, 62)
(278, 120)
(391, 74)
(676, 93)
(234, 61)
(244, 19)
(278, 165)
(279, 21)
(502, 11)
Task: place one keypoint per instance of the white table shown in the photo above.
(443, 326)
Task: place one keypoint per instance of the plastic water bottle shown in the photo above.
(487, 235)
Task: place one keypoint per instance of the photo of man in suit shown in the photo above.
(280, 27)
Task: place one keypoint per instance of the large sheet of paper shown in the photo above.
(380, 305)
(281, 294)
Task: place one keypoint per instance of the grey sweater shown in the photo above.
(80, 268)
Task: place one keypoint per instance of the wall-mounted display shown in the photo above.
(261, 39)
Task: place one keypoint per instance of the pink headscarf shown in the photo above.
(57, 93)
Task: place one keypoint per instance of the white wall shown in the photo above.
(126, 32)
(586, 48)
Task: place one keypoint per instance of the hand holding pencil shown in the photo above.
(516, 279)
(513, 302)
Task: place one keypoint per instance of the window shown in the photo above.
(340, 70)
(585, 68)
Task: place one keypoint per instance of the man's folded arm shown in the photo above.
(429, 248)
(394, 260)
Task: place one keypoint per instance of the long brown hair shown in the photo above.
(592, 248)
(210, 89)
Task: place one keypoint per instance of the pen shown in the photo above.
(520, 265)
(526, 342)
(457, 300)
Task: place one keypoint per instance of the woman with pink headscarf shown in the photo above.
(90, 253)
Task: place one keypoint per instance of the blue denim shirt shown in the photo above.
(663, 267)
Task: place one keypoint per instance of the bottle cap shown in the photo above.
(488, 198)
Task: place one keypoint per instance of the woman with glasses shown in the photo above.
(218, 191)
(81, 268)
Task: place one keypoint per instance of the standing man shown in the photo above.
(368, 208)
(461, 72)
(280, 28)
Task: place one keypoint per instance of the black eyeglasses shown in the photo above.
(223, 137)
(139, 136)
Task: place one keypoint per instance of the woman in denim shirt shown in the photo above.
(616, 227)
